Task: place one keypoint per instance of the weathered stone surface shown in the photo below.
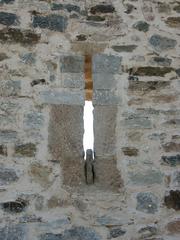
(13, 232)
(8, 19)
(130, 151)
(108, 221)
(103, 63)
(53, 22)
(6, 1)
(7, 176)
(8, 136)
(172, 122)
(105, 130)
(102, 8)
(148, 177)
(137, 122)
(10, 88)
(81, 37)
(17, 206)
(73, 80)
(171, 161)
(41, 174)
(176, 179)
(33, 120)
(72, 64)
(30, 219)
(161, 61)
(124, 48)
(95, 18)
(141, 26)
(68, 7)
(145, 87)
(105, 97)
(178, 72)
(171, 147)
(116, 232)
(147, 231)
(66, 142)
(164, 7)
(75, 233)
(160, 43)
(174, 227)
(172, 200)
(3, 150)
(14, 35)
(147, 202)
(107, 176)
(37, 82)
(129, 8)
(177, 8)
(104, 81)
(62, 97)
(28, 58)
(173, 22)
(152, 71)
(3, 57)
(25, 150)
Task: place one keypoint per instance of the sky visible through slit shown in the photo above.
(88, 139)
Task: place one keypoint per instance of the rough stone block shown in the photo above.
(160, 43)
(73, 80)
(147, 202)
(3, 150)
(3, 56)
(62, 97)
(174, 227)
(25, 150)
(68, 7)
(152, 71)
(8, 19)
(52, 22)
(176, 179)
(14, 35)
(106, 97)
(171, 147)
(66, 142)
(141, 26)
(13, 232)
(130, 151)
(173, 22)
(124, 48)
(149, 177)
(8, 136)
(171, 161)
(75, 233)
(102, 8)
(33, 120)
(172, 200)
(161, 61)
(116, 232)
(107, 176)
(104, 81)
(7, 176)
(103, 63)
(105, 130)
(17, 206)
(137, 122)
(72, 64)
(10, 88)
(6, 1)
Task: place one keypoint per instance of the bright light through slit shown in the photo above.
(88, 140)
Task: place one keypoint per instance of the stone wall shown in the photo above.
(133, 46)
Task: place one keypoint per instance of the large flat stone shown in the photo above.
(148, 177)
(147, 202)
(103, 63)
(104, 81)
(136, 121)
(10, 88)
(7, 176)
(13, 232)
(66, 142)
(171, 161)
(8, 19)
(106, 97)
(160, 43)
(73, 80)
(72, 64)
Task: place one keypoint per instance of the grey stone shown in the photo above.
(75, 233)
(13, 232)
(124, 48)
(6, 1)
(73, 80)
(105, 97)
(141, 26)
(3, 150)
(102, 8)
(104, 81)
(3, 57)
(68, 7)
(116, 232)
(14, 35)
(30, 219)
(8, 19)
(53, 22)
(137, 122)
(95, 18)
(17, 206)
(149, 177)
(62, 97)
(161, 61)
(171, 161)
(10, 88)
(172, 200)
(8, 136)
(178, 72)
(103, 63)
(147, 202)
(160, 43)
(176, 178)
(59, 223)
(108, 221)
(41, 81)
(147, 231)
(7, 176)
(177, 8)
(33, 120)
(25, 150)
(65, 142)
(28, 58)
(72, 64)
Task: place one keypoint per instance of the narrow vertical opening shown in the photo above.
(88, 139)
